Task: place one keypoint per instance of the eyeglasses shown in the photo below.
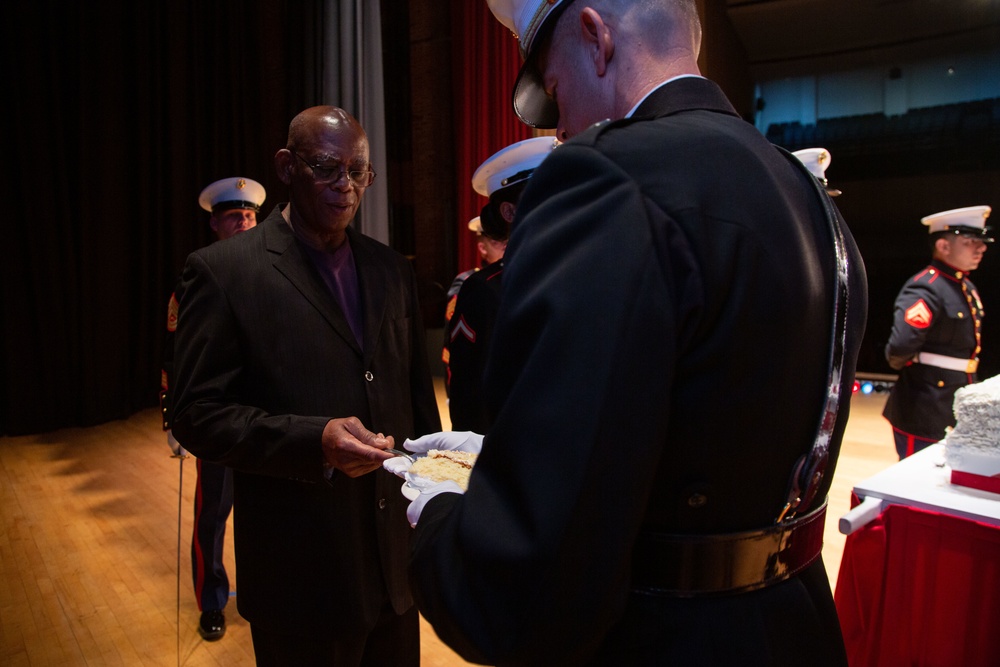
(326, 174)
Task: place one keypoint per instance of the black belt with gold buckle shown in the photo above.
(695, 565)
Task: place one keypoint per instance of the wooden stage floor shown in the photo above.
(88, 546)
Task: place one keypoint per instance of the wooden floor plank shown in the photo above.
(89, 546)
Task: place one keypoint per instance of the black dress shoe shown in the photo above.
(212, 625)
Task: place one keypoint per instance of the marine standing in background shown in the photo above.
(502, 178)
(489, 252)
(817, 161)
(234, 204)
(937, 330)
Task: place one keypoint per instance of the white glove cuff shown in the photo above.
(417, 506)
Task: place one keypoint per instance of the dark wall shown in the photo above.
(894, 170)
(119, 113)
(420, 137)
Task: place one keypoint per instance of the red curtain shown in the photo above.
(486, 61)
(921, 589)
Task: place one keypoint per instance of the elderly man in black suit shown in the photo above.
(680, 317)
(292, 338)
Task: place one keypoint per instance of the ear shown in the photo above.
(507, 210)
(283, 165)
(598, 38)
(214, 224)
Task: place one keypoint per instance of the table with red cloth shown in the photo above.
(920, 584)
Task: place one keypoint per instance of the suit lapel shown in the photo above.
(295, 265)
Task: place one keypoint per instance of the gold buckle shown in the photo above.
(972, 366)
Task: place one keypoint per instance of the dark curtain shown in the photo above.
(486, 61)
(119, 113)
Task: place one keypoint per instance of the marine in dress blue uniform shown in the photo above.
(660, 365)
(469, 328)
(937, 330)
(475, 226)
(233, 204)
(469, 332)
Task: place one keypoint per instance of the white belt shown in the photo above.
(951, 363)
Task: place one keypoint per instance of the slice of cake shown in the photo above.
(972, 447)
(442, 465)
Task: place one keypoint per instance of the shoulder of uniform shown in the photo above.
(593, 134)
(477, 277)
(927, 275)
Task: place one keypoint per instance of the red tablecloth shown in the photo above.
(921, 589)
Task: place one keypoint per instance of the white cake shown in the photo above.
(442, 465)
(972, 447)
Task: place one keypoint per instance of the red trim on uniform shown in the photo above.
(954, 275)
(919, 315)
(911, 440)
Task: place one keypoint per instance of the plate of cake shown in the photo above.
(437, 465)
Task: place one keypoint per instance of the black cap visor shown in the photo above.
(493, 224)
(234, 204)
(984, 234)
(531, 104)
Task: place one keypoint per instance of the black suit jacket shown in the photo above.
(660, 361)
(264, 358)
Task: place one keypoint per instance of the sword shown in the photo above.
(180, 456)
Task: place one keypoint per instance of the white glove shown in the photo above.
(417, 506)
(175, 446)
(460, 441)
(397, 465)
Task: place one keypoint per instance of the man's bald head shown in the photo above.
(311, 122)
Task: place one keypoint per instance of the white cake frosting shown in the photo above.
(974, 443)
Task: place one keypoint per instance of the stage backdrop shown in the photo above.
(119, 113)
(486, 61)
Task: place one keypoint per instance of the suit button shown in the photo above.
(697, 500)
(369, 376)
(381, 503)
(940, 383)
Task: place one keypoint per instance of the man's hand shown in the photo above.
(352, 449)
(458, 441)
